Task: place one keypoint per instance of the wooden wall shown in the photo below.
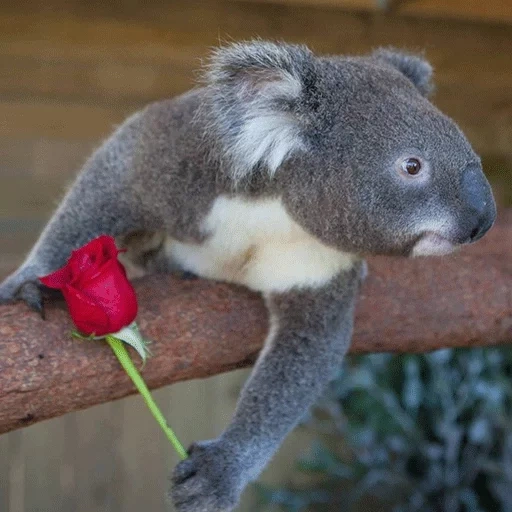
(71, 70)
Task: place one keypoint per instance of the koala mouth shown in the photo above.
(433, 244)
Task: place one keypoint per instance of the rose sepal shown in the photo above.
(130, 335)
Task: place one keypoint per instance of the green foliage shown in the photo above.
(416, 433)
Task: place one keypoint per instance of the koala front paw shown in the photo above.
(210, 480)
(22, 285)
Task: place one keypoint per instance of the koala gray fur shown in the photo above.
(282, 173)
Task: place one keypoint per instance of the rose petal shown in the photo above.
(57, 279)
(87, 261)
(108, 267)
(110, 251)
(80, 262)
(114, 293)
(88, 316)
(98, 251)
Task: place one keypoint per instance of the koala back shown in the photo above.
(326, 135)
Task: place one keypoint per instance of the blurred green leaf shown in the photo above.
(420, 432)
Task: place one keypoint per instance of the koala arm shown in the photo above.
(100, 201)
(309, 335)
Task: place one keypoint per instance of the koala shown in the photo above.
(282, 173)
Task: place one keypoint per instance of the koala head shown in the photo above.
(359, 156)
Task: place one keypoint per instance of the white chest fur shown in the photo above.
(257, 244)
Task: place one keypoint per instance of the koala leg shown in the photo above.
(100, 202)
(145, 253)
(310, 333)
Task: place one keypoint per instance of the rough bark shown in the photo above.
(201, 328)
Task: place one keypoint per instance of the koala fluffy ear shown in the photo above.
(415, 68)
(256, 90)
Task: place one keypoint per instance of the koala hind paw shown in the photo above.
(207, 481)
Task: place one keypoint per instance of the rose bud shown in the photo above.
(99, 296)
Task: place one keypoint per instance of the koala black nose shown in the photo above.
(479, 203)
(480, 230)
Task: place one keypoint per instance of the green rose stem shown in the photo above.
(126, 362)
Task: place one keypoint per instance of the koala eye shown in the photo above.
(411, 166)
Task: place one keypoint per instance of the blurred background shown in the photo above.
(70, 71)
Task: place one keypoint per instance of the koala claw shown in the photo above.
(30, 293)
(185, 275)
(208, 481)
(15, 288)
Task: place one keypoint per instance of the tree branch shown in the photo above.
(201, 328)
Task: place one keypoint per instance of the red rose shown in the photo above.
(100, 298)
